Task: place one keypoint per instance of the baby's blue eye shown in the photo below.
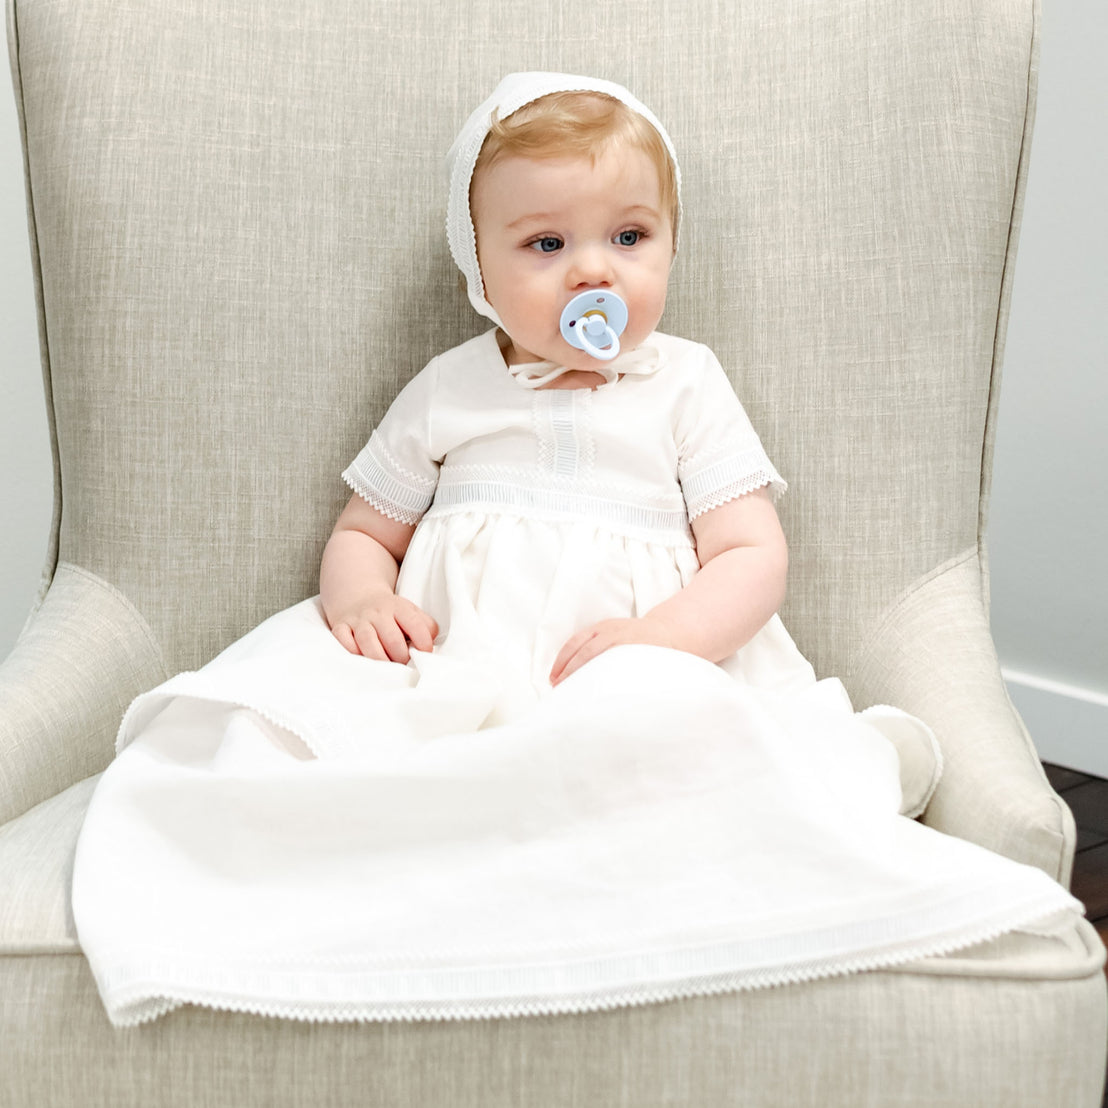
(628, 238)
(547, 245)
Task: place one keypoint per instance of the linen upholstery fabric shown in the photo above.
(815, 1044)
(236, 217)
(77, 666)
(933, 652)
(36, 853)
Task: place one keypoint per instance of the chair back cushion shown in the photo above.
(238, 224)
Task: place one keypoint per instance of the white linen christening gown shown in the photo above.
(297, 831)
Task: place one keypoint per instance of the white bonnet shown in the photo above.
(513, 92)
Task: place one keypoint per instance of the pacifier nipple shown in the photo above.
(593, 321)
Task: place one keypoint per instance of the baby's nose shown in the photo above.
(590, 267)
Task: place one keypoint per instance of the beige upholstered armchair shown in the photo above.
(236, 216)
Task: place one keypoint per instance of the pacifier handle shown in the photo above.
(599, 326)
(593, 321)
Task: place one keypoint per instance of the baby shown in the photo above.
(307, 827)
(574, 188)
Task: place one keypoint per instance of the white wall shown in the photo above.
(1048, 532)
(1049, 523)
(26, 480)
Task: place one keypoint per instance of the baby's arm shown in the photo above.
(740, 585)
(357, 586)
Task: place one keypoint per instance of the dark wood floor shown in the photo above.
(1088, 800)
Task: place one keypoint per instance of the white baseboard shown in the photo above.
(1068, 725)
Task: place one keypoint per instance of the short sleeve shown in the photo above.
(396, 471)
(719, 454)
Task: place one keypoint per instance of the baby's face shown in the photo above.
(549, 229)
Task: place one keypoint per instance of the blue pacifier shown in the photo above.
(593, 321)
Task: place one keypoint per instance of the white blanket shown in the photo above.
(291, 832)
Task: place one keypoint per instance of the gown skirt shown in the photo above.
(300, 832)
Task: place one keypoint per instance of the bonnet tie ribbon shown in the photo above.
(643, 361)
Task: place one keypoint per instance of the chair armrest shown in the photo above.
(81, 660)
(933, 656)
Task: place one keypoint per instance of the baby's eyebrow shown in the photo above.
(532, 217)
(644, 209)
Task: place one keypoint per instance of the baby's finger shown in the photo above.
(557, 670)
(588, 651)
(420, 628)
(369, 643)
(595, 643)
(394, 642)
(345, 634)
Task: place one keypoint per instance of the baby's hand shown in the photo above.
(594, 640)
(383, 625)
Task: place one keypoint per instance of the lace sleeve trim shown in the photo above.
(396, 492)
(729, 478)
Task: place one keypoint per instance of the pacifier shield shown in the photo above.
(593, 321)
